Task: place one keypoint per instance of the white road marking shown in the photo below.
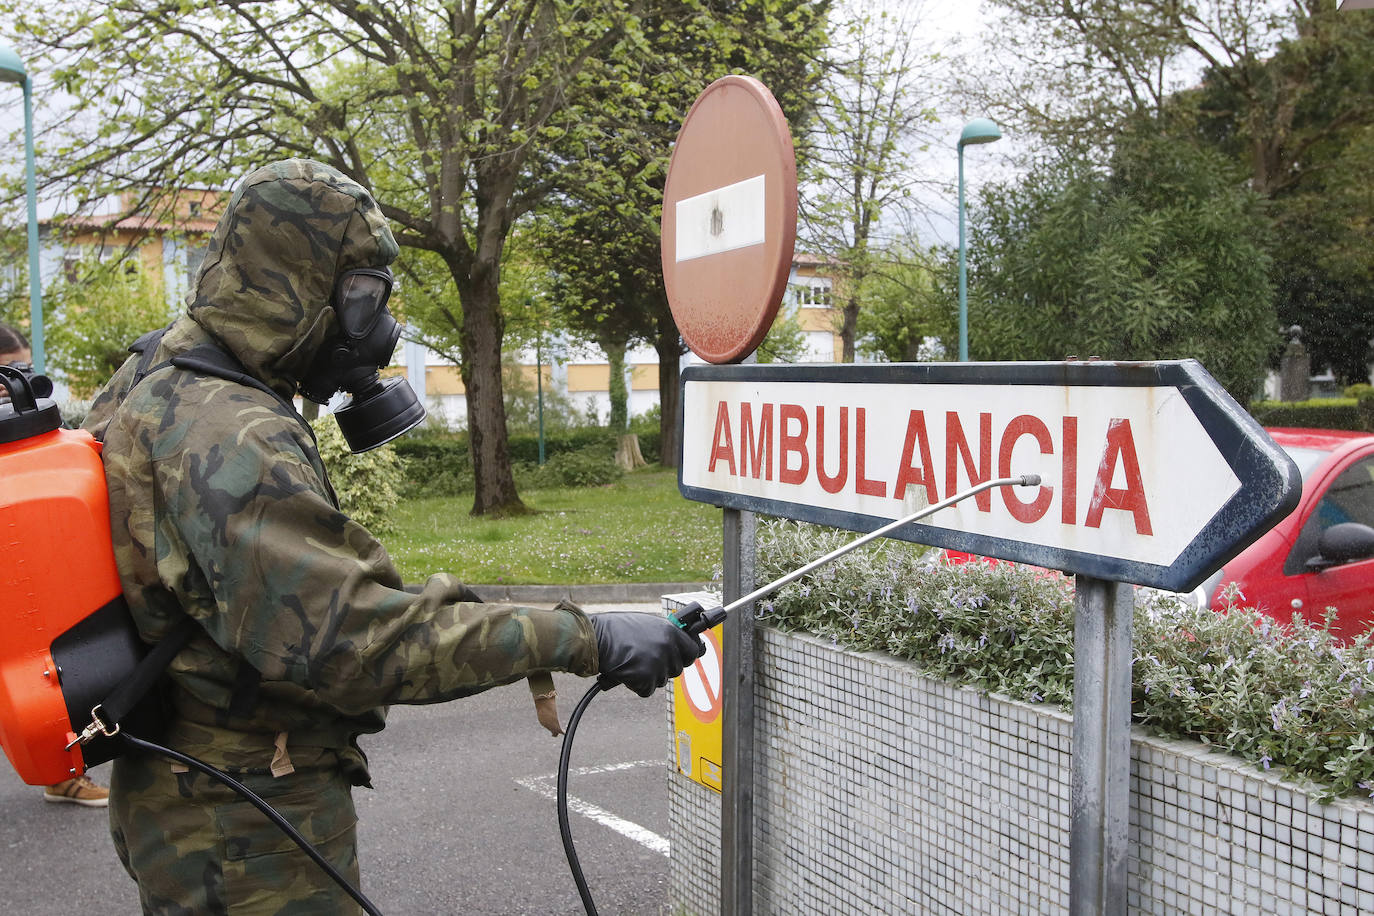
(547, 786)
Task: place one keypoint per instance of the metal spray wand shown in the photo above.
(695, 619)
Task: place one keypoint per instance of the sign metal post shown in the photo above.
(728, 229)
(737, 776)
(1100, 765)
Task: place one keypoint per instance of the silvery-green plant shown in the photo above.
(367, 485)
(1288, 697)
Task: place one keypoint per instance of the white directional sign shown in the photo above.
(1149, 472)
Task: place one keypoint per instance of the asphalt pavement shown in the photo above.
(461, 819)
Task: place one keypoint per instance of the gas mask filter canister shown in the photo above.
(379, 409)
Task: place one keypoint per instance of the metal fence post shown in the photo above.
(737, 776)
(1101, 755)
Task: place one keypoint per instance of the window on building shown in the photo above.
(813, 294)
(71, 266)
(195, 254)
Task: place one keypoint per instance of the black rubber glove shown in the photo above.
(642, 651)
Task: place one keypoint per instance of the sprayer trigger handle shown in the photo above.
(695, 620)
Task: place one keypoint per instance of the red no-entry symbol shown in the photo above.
(703, 682)
(729, 219)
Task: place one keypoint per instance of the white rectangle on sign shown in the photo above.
(721, 220)
(1126, 472)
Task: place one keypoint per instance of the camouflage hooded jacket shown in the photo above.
(221, 509)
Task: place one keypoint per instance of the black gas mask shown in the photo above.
(379, 410)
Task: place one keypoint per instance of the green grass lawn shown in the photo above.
(637, 530)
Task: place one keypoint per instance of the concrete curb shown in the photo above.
(614, 593)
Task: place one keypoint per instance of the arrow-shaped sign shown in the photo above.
(1150, 472)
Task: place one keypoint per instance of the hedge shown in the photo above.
(1322, 413)
(438, 464)
(1289, 697)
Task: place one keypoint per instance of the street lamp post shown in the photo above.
(12, 71)
(979, 130)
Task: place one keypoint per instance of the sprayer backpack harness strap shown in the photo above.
(106, 717)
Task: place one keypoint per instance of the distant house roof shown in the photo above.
(195, 211)
(802, 259)
(140, 222)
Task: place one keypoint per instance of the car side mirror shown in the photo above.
(1343, 543)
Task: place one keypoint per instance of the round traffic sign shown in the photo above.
(729, 219)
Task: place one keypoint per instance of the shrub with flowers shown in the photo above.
(1293, 698)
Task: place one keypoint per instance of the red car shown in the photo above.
(1322, 555)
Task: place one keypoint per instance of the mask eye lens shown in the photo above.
(359, 300)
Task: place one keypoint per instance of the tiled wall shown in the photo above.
(878, 790)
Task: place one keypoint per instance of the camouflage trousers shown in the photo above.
(197, 848)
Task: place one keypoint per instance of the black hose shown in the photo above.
(564, 828)
(271, 813)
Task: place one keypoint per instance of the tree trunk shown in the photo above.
(627, 453)
(849, 329)
(668, 345)
(620, 396)
(481, 369)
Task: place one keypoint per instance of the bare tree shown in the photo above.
(1074, 71)
(878, 108)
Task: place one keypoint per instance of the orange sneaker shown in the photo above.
(80, 790)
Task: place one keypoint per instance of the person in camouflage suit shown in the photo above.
(221, 510)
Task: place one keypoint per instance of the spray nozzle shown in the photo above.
(696, 620)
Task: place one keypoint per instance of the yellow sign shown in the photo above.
(697, 703)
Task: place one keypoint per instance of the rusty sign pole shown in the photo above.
(737, 769)
(1100, 764)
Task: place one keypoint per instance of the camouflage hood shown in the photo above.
(263, 290)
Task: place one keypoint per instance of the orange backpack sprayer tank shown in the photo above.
(66, 639)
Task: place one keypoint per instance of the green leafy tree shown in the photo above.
(523, 405)
(607, 284)
(14, 280)
(602, 234)
(599, 292)
(1163, 257)
(458, 117)
(1076, 72)
(906, 303)
(785, 341)
(1302, 123)
(98, 311)
(1286, 89)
